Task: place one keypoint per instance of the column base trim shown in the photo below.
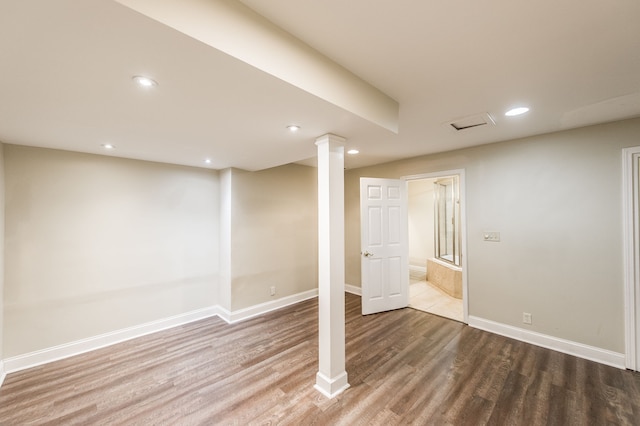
(331, 387)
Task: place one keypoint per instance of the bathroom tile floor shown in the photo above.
(426, 297)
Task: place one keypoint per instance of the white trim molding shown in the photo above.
(33, 359)
(631, 259)
(55, 353)
(353, 289)
(3, 373)
(580, 350)
(331, 387)
(417, 272)
(252, 311)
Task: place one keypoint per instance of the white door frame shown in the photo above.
(463, 229)
(631, 255)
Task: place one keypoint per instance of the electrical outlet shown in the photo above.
(526, 318)
(273, 290)
(491, 236)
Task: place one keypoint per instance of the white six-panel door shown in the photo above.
(385, 244)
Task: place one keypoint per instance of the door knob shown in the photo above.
(367, 254)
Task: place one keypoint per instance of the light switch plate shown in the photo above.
(491, 236)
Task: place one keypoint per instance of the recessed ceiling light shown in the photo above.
(293, 128)
(516, 111)
(353, 151)
(145, 82)
(108, 146)
(207, 160)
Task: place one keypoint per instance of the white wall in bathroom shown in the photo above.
(421, 226)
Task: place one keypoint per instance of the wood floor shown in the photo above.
(404, 367)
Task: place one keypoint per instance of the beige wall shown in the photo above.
(274, 229)
(556, 200)
(96, 244)
(421, 238)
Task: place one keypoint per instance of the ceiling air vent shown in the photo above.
(477, 120)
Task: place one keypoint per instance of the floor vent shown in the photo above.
(477, 120)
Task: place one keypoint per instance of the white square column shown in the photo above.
(331, 378)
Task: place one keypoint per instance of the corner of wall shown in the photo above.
(224, 284)
(3, 374)
(78, 347)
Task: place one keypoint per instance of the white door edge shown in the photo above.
(630, 222)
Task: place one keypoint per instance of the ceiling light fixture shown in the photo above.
(293, 128)
(207, 160)
(145, 82)
(516, 111)
(353, 151)
(108, 146)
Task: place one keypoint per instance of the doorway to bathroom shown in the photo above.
(436, 225)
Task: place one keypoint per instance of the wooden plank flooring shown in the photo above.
(405, 367)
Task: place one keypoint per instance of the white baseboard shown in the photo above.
(418, 272)
(3, 373)
(33, 359)
(252, 311)
(78, 347)
(224, 314)
(55, 353)
(353, 289)
(331, 387)
(580, 350)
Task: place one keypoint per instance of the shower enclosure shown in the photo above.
(447, 220)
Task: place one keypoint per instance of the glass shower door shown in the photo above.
(447, 223)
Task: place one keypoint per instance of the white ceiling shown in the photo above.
(66, 68)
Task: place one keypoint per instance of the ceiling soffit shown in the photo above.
(238, 31)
